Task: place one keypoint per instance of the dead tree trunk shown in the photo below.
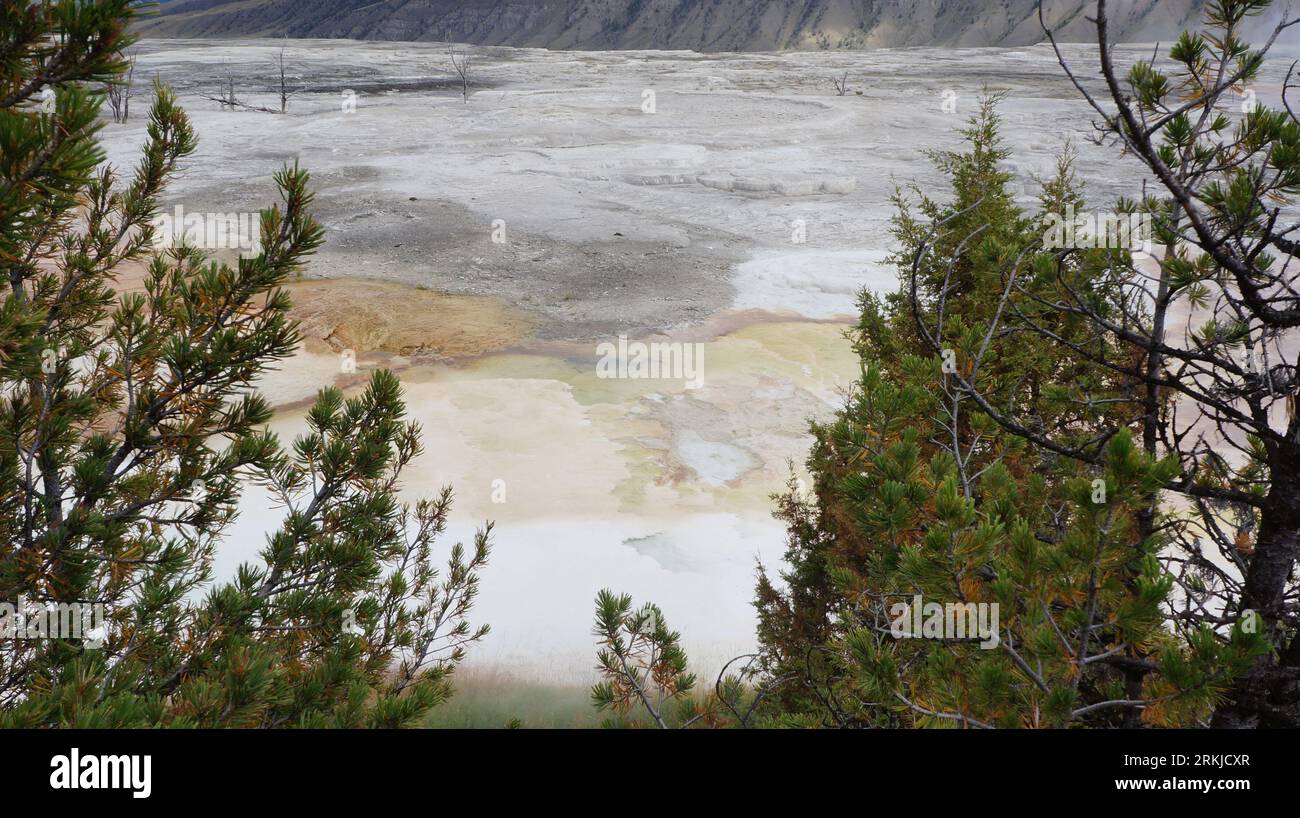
(460, 62)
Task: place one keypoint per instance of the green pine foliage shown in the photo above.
(921, 497)
(129, 422)
(1221, 388)
(645, 680)
(641, 663)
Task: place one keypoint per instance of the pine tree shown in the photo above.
(1208, 335)
(644, 673)
(129, 423)
(920, 498)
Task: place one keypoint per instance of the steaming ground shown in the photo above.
(745, 213)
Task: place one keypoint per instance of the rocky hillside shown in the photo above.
(703, 25)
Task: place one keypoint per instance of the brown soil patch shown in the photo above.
(369, 316)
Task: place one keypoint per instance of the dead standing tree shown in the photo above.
(228, 98)
(119, 93)
(281, 86)
(226, 93)
(1209, 334)
(460, 63)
